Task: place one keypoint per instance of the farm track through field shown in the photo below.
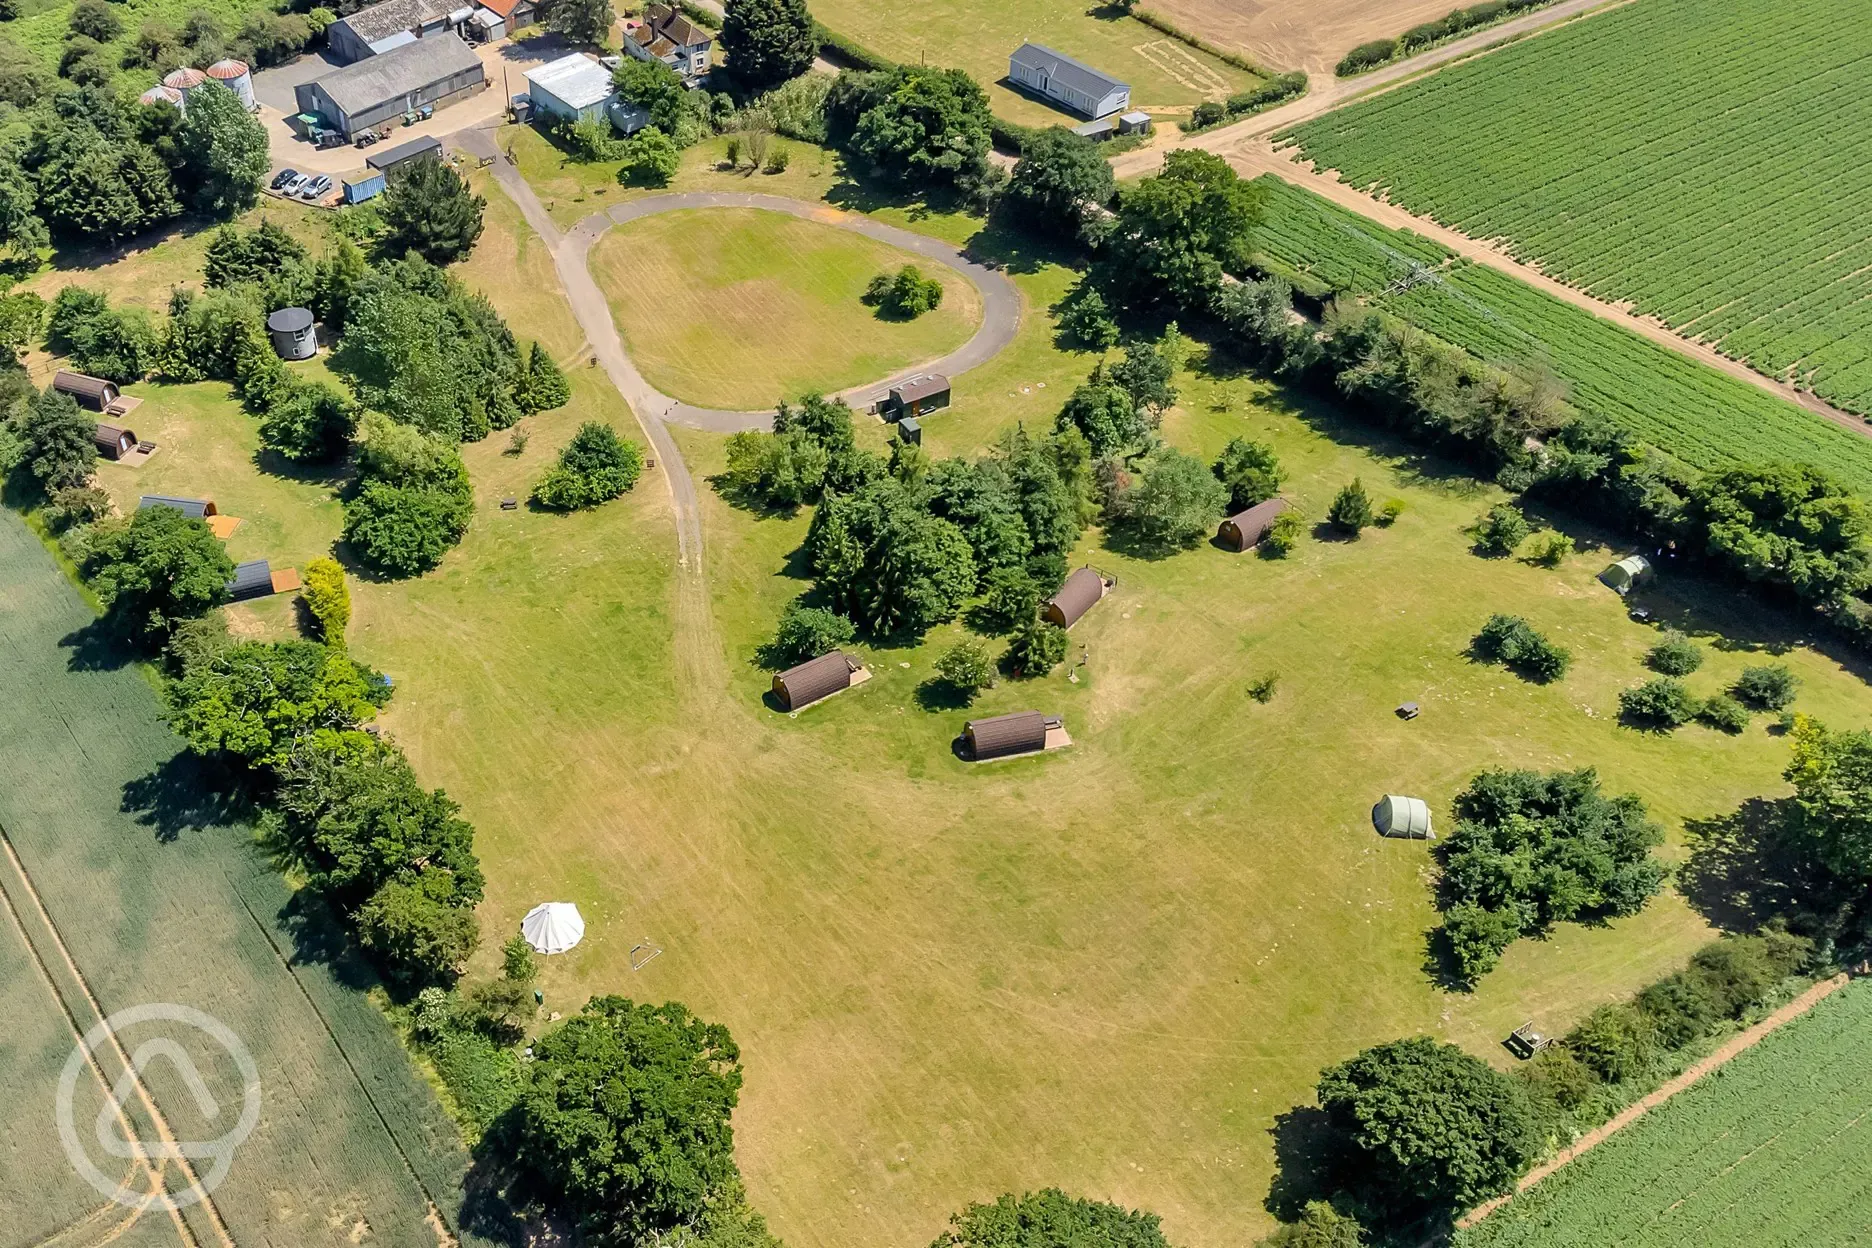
(656, 411)
(1730, 1050)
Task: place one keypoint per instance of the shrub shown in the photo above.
(1767, 688)
(1659, 705)
(806, 633)
(1085, 318)
(595, 467)
(311, 423)
(1207, 113)
(1319, 1226)
(1549, 549)
(1674, 655)
(1051, 1219)
(1616, 1042)
(1558, 1076)
(1512, 641)
(1250, 471)
(75, 505)
(327, 598)
(966, 668)
(1502, 530)
(1680, 1007)
(403, 530)
(1283, 535)
(1725, 714)
(1261, 689)
(1351, 509)
(1036, 649)
(483, 1077)
(650, 158)
(1389, 513)
(778, 161)
(1366, 56)
(906, 294)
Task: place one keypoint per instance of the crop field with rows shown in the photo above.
(1696, 413)
(1774, 1149)
(1708, 161)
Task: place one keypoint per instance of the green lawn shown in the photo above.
(738, 308)
(978, 35)
(1108, 968)
(1772, 1152)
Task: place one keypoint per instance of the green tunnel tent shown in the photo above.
(1403, 818)
(1627, 574)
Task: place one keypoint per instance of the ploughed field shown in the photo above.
(1707, 161)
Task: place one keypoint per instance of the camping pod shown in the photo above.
(814, 679)
(1244, 530)
(114, 441)
(1076, 597)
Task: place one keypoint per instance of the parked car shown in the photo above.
(316, 187)
(297, 184)
(283, 177)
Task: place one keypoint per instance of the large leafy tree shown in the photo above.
(913, 124)
(885, 561)
(626, 1115)
(95, 187)
(1250, 470)
(161, 568)
(258, 701)
(1787, 525)
(223, 150)
(1832, 777)
(404, 530)
(766, 42)
(416, 929)
(1175, 502)
(61, 441)
(1530, 851)
(312, 423)
(1428, 1124)
(1177, 233)
(581, 21)
(596, 466)
(22, 231)
(1106, 414)
(1060, 180)
(429, 210)
(1051, 1219)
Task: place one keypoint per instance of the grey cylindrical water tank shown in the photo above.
(291, 330)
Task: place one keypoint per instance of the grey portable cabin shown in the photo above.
(1001, 736)
(199, 508)
(253, 579)
(1244, 530)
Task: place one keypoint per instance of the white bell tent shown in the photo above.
(553, 926)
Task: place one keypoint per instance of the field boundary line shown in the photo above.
(444, 1236)
(1736, 1045)
(136, 1078)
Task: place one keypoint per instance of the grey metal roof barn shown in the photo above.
(253, 579)
(1071, 82)
(1076, 596)
(196, 507)
(432, 71)
(1023, 732)
(93, 392)
(576, 83)
(1244, 530)
(814, 679)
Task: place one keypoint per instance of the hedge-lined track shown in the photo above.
(1709, 161)
(1696, 413)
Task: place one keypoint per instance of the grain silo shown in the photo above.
(162, 95)
(235, 76)
(184, 80)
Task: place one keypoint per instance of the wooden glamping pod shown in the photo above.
(1023, 732)
(814, 679)
(1245, 530)
(199, 508)
(1076, 597)
(115, 441)
(1406, 818)
(1627, 574)
(92, 392)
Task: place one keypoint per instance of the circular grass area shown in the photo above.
(737, 308)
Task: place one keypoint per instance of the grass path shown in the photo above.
(1736, 1045)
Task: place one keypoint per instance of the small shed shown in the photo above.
(1627, 574)
(1405, 818)
(814, 679)
(291, 332)
(1134, 123)
(1244, 530)
(1001, 736)
(1098, 131)
(910, 429)
(92, 392)
(253, 579)
(114, 441)
(199, 508)
(915, 396)
(1081, 590)
(396, 157)
(357, 190)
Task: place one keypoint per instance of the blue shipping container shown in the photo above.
(364, 188)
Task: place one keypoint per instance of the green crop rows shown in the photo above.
(1709, 161)
(1775, 1149)
(1696, 413)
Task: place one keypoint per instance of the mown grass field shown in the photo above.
(1109, 968)
(1771, 1152)
(739, 308)
(1696, 413)
(158, 891)
(1703, 160)
(978, 35)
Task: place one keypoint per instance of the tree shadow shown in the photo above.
(1440, 966)
(320, 938)
(1747, 868)
(749, 501)
(1309, 1161)
(187, 793)
(99, 646)
(1123, 539)
(334, 473)
(937, 694)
